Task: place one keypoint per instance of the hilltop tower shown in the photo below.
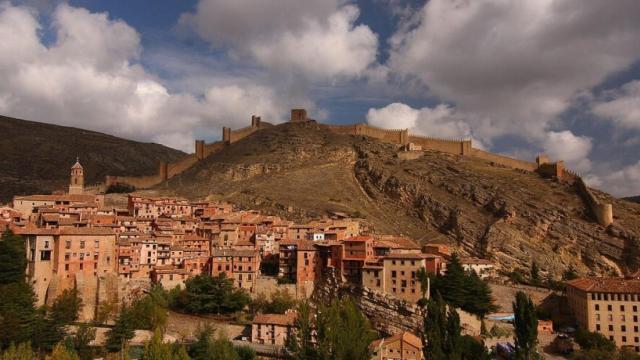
(298, 115)
(76, 185)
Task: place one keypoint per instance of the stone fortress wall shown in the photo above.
(602, 212)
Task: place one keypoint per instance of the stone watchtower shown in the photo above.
(298, 115)
(76, 185)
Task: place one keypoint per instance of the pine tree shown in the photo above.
(156, 349)
(18, 314)
(526, 327)
(13, 260)
(535, 274)
(453, 285)
(81, 341)
(435, 329)
(122, 331)
(452, 335)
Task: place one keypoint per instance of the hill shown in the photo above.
(36, 157)
(301, 170)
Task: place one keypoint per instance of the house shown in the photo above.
(273, 329)
(401, 346)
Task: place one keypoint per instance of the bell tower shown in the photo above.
(76, 185)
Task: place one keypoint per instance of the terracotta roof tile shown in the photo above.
(607, 285)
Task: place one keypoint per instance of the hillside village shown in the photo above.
(74, 240)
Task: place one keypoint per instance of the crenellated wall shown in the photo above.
(460, 147)
(504, 160)
(181, 165)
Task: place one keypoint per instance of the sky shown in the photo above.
(560, 77)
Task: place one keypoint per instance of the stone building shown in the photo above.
(300, 264)
(401, 346)
(240, 265)
(609, 306)
(397, 274)
(273, 329)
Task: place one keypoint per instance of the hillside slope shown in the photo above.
(301, 171)
(36, 157)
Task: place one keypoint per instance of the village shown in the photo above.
(112, 255)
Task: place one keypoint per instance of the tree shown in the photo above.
(246, 353)
(341, 332)
(13, 260)
(122, 331)
(66, 307)
(150, 312)
(525, 327)
(204, 294)
(570, 274)
(594, 341)
(535, 274)
(156, 349)
(18, 314)
(60, 352)
(81, 341)
(453, 284)
(442, 334)
(208, 347)
(478, 298)
(423, 278)
(281, 301)
(20, 352)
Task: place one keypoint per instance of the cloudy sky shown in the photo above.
(518, 77)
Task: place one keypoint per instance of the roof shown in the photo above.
(87, 231)
(77, 164)
(304, 245)
(607, 285)
(412, 256)
(398, 241)
(287, 319)
(233, 252)
(66, 197)
(405, 336)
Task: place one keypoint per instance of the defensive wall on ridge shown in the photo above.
(602, 212)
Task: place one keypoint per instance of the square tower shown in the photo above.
(298, 115)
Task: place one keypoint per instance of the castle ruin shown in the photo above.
(603, 213)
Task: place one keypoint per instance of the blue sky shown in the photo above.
(519, 78)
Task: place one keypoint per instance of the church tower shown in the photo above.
(76, 186)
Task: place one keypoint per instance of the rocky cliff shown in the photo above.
(300, 170)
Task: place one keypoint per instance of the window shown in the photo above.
(597, 327)
(597, 307)
(67, 256)
(45, 255)
(81, 266)
(610, 327)
(609, 307)
(624, 339)
(393, 273)
(67, 244)
(621, 307)
(635, 318)
(96, 244)
(66, 267)
(635, 308)
(46, 244)
(597, 317)
(623, 328)
(81, 244)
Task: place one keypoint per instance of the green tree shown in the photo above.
(594, 341)
(423, 278)
(204, 294)
(150, 311)
(81, 341)
(21, 352)
(122, 331)
(281, 301)
(342, 332)
(18, 314)
(478, 298)
(535, 274)
(570, 274)
(60, 352)
(246, 353)
(156, 349)
(453, 284)
(525, 327)
(66, 307)
(13, 260)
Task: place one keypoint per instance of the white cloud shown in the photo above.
(441, 121)
(317, 39)
(516, 65)
(88, 78)
(622, 106)
(623, 182)
(574, 150)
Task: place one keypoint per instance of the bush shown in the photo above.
(281, 301)
(594, 341)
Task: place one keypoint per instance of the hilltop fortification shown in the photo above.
(600, 211)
